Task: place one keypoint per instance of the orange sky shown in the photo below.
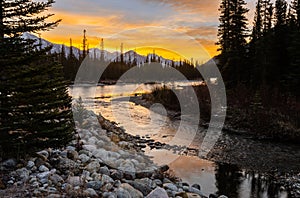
(186, 27)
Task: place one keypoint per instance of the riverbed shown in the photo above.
(236, 164)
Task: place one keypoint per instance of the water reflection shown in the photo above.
(214, 178)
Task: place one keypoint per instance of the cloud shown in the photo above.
(104, 18)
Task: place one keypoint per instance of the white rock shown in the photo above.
(90, 148)
(30, 164)
(158, 193)
(43, 168)
(84, 158)
(43, 175)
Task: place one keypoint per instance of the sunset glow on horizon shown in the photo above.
(105, 19)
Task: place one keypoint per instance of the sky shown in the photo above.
(187, 27)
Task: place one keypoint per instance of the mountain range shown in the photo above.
(129, 56)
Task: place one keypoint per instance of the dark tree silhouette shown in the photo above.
(35, 106)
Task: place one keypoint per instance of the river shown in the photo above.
(221, 178)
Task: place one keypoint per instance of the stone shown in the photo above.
(30, 164)
(129, 175)
(196, 191)
(148, 182)
(186, 188)
(121, 193)
(158, 182)
(43, 175)
(72, 154)
(96, 176)
(66, 164)
(170, 186)
(93, 166)
(96, 185)
(56, 179)
(117, 183)
(84, 158)
(35, 184)
(54, 196)
(213, 196)
(23, 174)
(38, 162)
(90, 193)
(127, 166)
(197, 186)
(140, 186)
(181, 194)
(43, 155)
(44, 181)
(116, 175)
(11, 182)
(86, 175)
(52, 190)
(163, 168)
(132, 191)
(74, 180)
(10, 163)
(104, 170)
(106, 179)
(158, 193)
(107, 187)
(222, 196)
(166, 180)
(90, 148)
(144, 174)
(193, 195)
(109, 195)
(71, 148)
(43, 168)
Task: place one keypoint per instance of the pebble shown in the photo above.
(158, 193)
(84, 158)
(96, 185)
(43, 168)
(90, 193)
(30, 164)
(170, 186)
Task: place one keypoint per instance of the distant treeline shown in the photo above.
(114, 69)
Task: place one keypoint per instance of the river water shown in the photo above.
(218, 178)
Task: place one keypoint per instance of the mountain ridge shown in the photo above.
(129, 56)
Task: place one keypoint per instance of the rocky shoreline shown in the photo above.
(251, 158)
(102, 164)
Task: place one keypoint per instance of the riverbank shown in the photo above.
(261, 115)
(276, 160)
(105, 163)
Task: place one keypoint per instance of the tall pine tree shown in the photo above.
(232, 35)
(35, 106)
